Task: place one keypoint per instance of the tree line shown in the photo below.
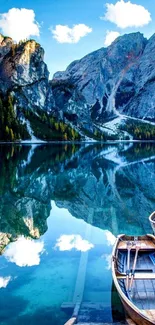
(140, 130)
(47, 127)
(10, 127)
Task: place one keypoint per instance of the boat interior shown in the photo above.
(135, 270)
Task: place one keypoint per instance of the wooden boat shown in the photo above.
(152, 221)
(133, 271)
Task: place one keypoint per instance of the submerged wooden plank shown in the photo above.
(93, 305)
(71, 305)
(76, 309)
(67, 306)
(71, 321)
(80, 281)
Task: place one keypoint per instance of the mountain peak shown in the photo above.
(109, 81)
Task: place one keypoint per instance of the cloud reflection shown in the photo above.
(110, 238)
(24, 252)
(69, 242)
(4, 281)
(107, 258)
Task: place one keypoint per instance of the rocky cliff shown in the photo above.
(24, 73)
(111, 83)
(26, 99)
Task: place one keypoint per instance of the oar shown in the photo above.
(134, 266)
(129, 246)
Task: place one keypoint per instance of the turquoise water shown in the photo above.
(61, 208)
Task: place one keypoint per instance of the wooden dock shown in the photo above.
(81, 276)
(75, 305)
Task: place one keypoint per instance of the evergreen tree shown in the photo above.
(7, 135)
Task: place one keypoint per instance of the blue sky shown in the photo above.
(50, 13)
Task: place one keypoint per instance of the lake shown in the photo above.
(61, 208)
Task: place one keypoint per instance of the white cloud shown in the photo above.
(24, 252)
(4, 281)
(69, 242)
(110, 37)
(64, 34)
(127, 14)
(19, 24)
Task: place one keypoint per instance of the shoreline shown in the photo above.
(74, 142)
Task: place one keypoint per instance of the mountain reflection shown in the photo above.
(109, 186)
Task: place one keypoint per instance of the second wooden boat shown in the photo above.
(133, 271)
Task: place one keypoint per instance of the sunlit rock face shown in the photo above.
(143, 103)
(5, 45)
(110, 187)
(4, 240)
(24, 73)
(109, 81)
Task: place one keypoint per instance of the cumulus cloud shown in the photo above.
(65, 34)
(24, 252)
(127, 14)
(19, 24)
(4, 281)
(69, 242)
(110, 37)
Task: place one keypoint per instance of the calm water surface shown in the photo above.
(61, 208)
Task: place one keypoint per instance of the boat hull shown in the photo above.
(137, 318)
(134, 313)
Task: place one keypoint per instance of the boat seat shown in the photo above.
(149, 313)
(144, 270)
(146, 245)
(139, 276)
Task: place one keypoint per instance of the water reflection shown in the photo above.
(69, 242)
(24, 252)
(4, 281)
(61, 204)
(110, 238)
(108, 260)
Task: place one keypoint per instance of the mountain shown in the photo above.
(108, 94)
(113, 83)
(26, 98)
(23, 72)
